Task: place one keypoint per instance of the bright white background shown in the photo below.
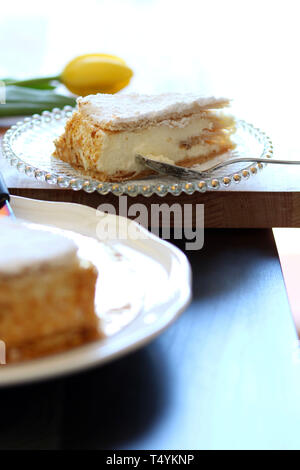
(247, 50)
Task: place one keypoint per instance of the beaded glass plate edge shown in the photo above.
(27, 147)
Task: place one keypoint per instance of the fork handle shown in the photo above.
(252, 159)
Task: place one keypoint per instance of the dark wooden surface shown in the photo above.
(225, 375)
(226, 210)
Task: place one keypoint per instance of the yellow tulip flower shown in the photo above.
(86, 75)
(96, 73)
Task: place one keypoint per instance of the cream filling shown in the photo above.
(119, 149)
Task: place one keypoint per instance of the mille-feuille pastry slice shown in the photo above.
(47, 293)
(106, 132)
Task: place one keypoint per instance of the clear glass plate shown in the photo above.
(28, 146)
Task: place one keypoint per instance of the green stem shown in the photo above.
(34, 82)
(19, 109)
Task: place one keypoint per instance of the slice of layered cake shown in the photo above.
(46, 293)
(106, 132)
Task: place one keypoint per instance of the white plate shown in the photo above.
(149, 274)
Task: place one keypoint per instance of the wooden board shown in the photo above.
(269, 199)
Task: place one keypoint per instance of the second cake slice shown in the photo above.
(47, 293)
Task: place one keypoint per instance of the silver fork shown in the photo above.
(184, 173)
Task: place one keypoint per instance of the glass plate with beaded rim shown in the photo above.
(28, 146)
